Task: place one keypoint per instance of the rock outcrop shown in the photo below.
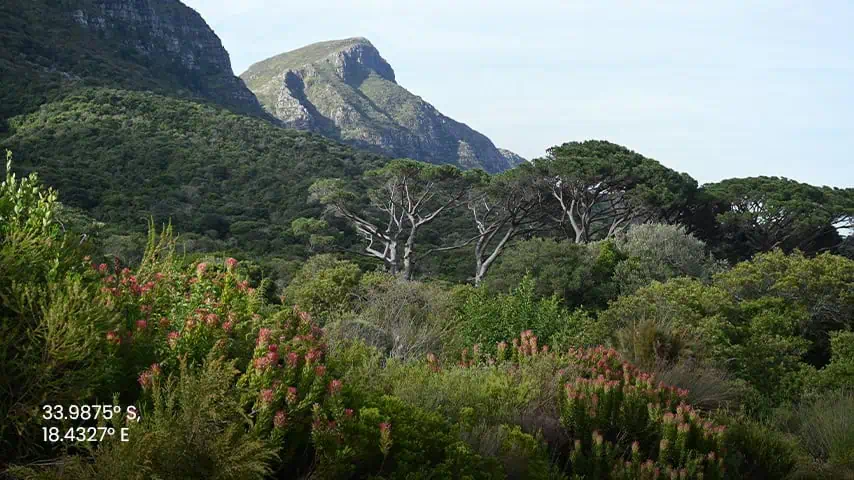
(344, 89)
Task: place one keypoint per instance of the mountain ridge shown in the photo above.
(346, 90)
(158, 45)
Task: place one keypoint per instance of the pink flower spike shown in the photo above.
(230, 263)
(280, 419)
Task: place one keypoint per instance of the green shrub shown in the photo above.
(324, 287)
(626, 426)
(839, 373)
(826, 430)
(659, 252)
(486, 319)
(758, 450)
(580, 275)
(194, 428)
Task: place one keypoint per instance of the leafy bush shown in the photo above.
(486, 319)
(296, 401)
(324, 286)
(839, 373)
(194, 428)
(50, 330)
(757, 450)
(616, 404)
(580, 275)
(659, 252)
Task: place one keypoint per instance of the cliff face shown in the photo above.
(346, 90)
(140, 44)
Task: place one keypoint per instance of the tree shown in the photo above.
(503, 207)
(760, 214)
(310, 229)
(600, 188)
(405, 196)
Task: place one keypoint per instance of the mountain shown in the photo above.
(344, 89)
(130, 108)
(52, 47)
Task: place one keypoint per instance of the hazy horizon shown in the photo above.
(729, 89)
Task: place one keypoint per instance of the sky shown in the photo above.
(717, 89)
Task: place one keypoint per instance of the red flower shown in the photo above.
(141, 324)
(227, 326)
(261, 363)
(145, 379)
(267, 396)
(212, 319)
(113, 336)
(335, 387)
(280, 419)
(273, 358)
(348, 412)
(292, 396)
(264, 336)
(102, 268)
(320, 370)
(293, 359)
(172, 338)
(200, 268)
(230, 263)
(273, 347)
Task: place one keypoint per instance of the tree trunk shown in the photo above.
(407, 255)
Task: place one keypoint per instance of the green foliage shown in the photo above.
(659, 252)
(324, 286)
(487, 319)
(50, 330)
(25, 206)
(600, 186)
(194, 428)
(839, 373)
(825, 428)
(617, 405)
(760, 214)
(233, 182)
(580, 275)
(757, 450)
(765, 321)
(815, 293)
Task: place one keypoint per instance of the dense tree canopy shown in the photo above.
(762, 213)
(601, 188)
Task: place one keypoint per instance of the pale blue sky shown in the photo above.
(718, 89)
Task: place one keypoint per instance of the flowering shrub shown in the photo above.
(623, 424)
(169, 313)
(614, 403)
(294, 399)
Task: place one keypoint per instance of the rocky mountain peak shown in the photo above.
(346, 90)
